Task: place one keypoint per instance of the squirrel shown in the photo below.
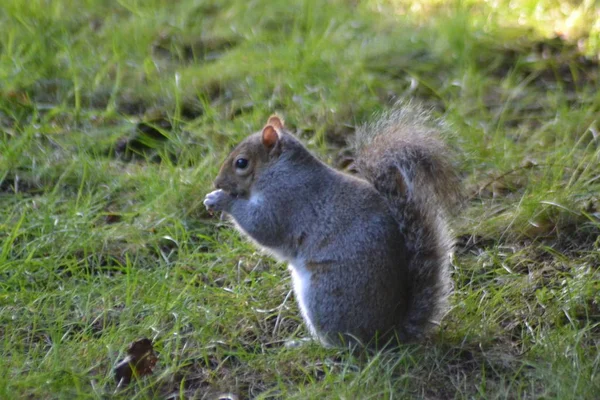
(369, 254)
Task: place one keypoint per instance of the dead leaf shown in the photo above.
(140, 361)
(112, 218)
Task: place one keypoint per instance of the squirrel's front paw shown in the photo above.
(217, 200)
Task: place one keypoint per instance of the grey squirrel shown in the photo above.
(369, 254)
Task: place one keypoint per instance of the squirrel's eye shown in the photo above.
(241, 163)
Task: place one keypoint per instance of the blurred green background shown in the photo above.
(115, 115)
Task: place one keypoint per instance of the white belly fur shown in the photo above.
(301, 281)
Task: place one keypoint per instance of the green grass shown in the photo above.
(114, 117)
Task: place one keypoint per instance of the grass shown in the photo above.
(114, 117)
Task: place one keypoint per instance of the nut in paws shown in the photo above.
(217, 200)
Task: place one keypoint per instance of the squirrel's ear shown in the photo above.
(275, 121)
(270, 136)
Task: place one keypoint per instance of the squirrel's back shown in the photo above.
(402, 154)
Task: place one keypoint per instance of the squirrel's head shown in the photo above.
(249, 158)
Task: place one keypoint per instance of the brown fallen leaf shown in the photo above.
(140, 361)
(112, 218)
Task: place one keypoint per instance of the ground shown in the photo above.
(114, 117)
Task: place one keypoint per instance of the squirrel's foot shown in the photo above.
(217, 200)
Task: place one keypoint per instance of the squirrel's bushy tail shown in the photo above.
(403, 156)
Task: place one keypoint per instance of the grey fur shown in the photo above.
(377, 259)
(408, 140)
